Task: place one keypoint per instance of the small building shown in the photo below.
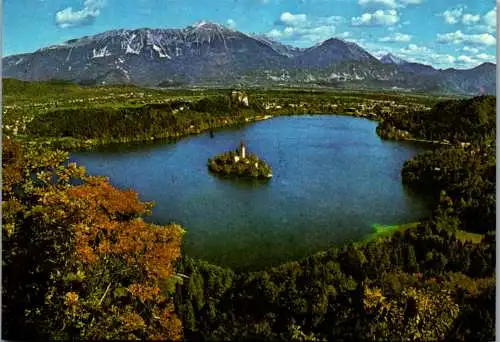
(239, 97)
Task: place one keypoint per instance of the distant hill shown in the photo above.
(210, 54)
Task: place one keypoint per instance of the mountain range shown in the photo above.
(211, 54)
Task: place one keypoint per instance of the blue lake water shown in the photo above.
(333, 177)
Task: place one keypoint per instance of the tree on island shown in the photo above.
(240, 163)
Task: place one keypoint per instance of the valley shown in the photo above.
(96, 232)
(44, 101)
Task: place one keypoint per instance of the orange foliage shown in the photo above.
(145, 293)
(132, 321)
(111, 248)
(102, 196)
(12, 165)
(71, 299)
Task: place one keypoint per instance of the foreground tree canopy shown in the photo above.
(78, 259)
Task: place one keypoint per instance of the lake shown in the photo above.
(333, 178)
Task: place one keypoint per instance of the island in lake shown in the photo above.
(240, 163)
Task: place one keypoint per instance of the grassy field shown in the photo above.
(21, 93)
(381, 231)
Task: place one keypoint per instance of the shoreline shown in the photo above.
(80, 145)
(70, 144)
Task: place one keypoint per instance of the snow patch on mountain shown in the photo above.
(200, 24)
(100, 53)
(132, 48)
(160, 51)
(132, 51)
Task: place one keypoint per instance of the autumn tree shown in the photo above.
(79, 261)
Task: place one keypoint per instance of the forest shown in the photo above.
(460, 176)
(80, 262)
(466, 120)
(145, 122)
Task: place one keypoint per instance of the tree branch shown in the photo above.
(105, 293)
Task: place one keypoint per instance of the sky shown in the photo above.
(443, 33)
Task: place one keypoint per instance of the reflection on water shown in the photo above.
(332, 178)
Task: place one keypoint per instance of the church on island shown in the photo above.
(242, 152)
(240, 163)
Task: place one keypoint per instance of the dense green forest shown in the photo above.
(80, 262)
(145, 122)
(461, 176)
(423, 283)
(463, 180)
(453, 120)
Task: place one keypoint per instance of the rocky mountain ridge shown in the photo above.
(211, 54)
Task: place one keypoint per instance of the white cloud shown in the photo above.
(396, 38)
(377, 18)
(91, 10)
(290, 19)
(426, 55)
(490, 19)
(414, 49)
(486, 57)
(231, 23)
(456, 15)
(452, 16)
(470, 49)
(486, 23)
(332, 20)
(466, 59)
(443, 59)
(470, 61)
(470, 19)
(303, 30)
(458, 37)
(304, 35)
(422, 54)
(388, 3)
(411, 2)
(274, 33)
